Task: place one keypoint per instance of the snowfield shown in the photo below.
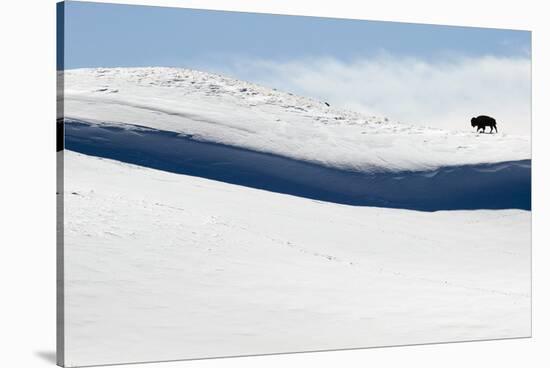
(162, 266)
(206, 217)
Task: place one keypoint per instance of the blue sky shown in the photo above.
(438, 76)
(106, 35)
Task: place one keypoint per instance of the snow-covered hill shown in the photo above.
(162, 266)
(206, 125)
(213, 108)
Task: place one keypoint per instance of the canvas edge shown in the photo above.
(60, 259)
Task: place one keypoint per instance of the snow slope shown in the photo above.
(213, 108)
(162, 266)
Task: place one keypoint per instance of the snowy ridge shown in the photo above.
(212, 108)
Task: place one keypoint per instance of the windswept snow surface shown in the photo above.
(162, 266)
(213, 108)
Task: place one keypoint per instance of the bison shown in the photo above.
(483, 121)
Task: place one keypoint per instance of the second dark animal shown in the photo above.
(483, 121)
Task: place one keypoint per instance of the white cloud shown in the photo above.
(442, 93)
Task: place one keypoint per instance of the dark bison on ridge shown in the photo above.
(482, 121)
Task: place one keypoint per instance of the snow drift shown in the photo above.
(490, 186)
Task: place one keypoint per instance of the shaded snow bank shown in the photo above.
(483, 186)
